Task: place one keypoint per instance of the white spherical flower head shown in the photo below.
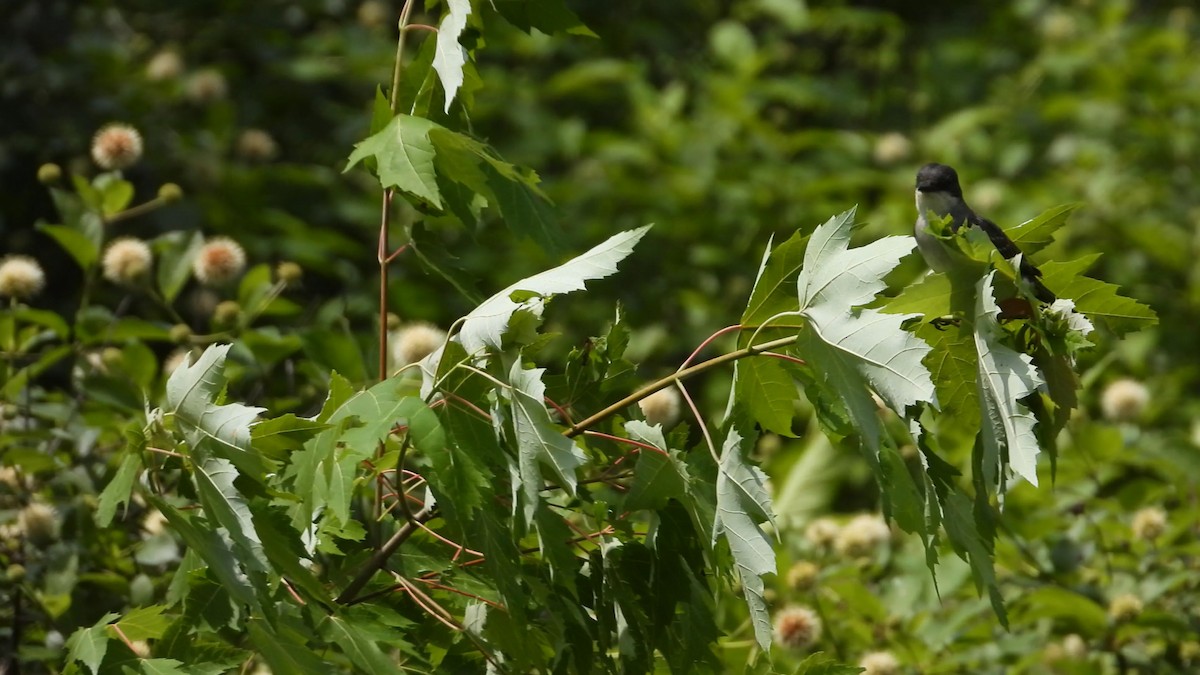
(797, 628)
(206, 86)
(822, 532)
(1124, 607)
(116, 147)
(1124, 400)
(1075, 647)
(39, 523)
(21, 277)
(892, 147)
(127, 261)
(879, 663)
(219, 261)
(165, 65)
(861, 535)
(175, 359)
(415, 341)
(662, 407)
(1149, 523)
(256, 145)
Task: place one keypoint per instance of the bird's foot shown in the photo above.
(944, 322)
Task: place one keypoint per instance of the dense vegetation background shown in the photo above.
(723, 123)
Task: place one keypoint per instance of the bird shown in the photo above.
(939, 192)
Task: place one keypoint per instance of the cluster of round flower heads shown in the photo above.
(21, 277)
(859, 537)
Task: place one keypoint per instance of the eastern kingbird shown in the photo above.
(938, 192)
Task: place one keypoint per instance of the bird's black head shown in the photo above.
(938, 178)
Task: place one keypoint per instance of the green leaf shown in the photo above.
(222, 430)
(1005, 377)
(774, 288)
(1037, 233)
(658, 477)
(336, 350)
(768, 392)
(280, 435)
(1064, 607)
(539, 441)
(404, 156)
(869, 346)
(88, 645)
(143, 623)
(548, 16)
(287, 653)
(929, 297)
(225, 505)
(431, 253)
(119, 489)
(450, 56)
(176, 252)
(954, 366)
(76, 243)
(1096, 298)
(486, 324)
(743, 503)
(282, 545)
(164, 667)
(973, 547)
(823, 664)
(202, 539)
(115, 194)
(363, 651)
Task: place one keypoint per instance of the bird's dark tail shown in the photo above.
(1033, 276)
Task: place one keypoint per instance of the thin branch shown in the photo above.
(708, 341)
(751, 350)
(380, 557)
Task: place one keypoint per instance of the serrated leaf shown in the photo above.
(1005, 377)
(774, 287)
(973, 547)
(143, 623)
(223, 503)
(88, 645)
(222, 430)
(404, 156)
(929, 297)
(768, 392)
(539, 441)
(1037, 233)
(363, 651)
(868, 345)
(485, 325)
(658, 477)
(164, 667)
(1096, 298)
(285, 550)
(216, 551)
(953, 364)
(286, 654)
(450, 56)
(743, 503)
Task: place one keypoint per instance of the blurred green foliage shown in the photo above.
(723, 123)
